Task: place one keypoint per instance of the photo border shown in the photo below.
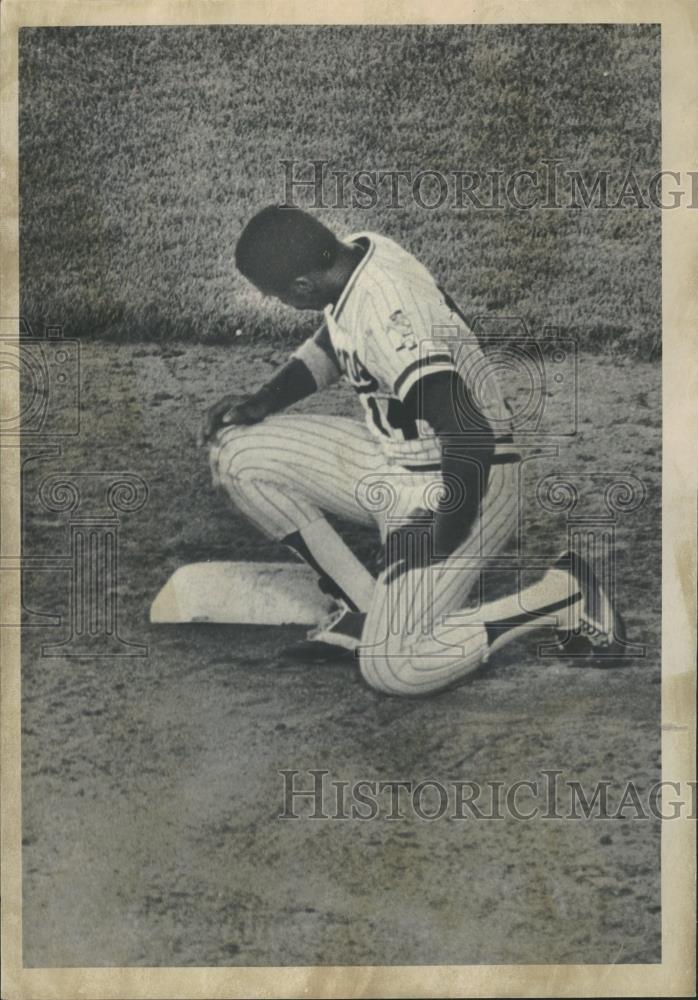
(675, 976)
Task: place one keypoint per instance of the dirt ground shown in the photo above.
(151, 787)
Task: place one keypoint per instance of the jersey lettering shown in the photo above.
(357, 373)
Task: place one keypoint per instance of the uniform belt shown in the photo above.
(507, 455)
(503, 458)
(431, 467)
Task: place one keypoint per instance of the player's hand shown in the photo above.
(231, 410)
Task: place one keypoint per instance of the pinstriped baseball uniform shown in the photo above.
(391, 326)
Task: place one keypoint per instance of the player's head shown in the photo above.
(289, 254)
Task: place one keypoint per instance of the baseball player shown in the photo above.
(433, 468)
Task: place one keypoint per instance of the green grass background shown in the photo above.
(144, 150)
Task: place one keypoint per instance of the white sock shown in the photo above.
(325, 551)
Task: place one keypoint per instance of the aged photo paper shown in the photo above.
(348, 497)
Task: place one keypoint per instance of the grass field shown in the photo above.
(151, 785)
(143, 151)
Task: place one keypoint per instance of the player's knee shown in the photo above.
(415, 672)
(233, 455)
(394, 674)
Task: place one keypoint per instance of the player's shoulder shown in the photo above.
(377, 245)
(390, 272)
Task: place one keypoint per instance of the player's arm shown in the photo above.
(423, 377)
(441, 398)
(310, 368)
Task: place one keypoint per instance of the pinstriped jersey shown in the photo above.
(391, 326)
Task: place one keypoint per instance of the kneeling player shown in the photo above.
(433, 469)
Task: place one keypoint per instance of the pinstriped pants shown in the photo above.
(286, 472)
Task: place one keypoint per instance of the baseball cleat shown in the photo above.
(597, 625)
(337, 637)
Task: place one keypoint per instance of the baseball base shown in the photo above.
(242, 593)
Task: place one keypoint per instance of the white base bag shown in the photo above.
(242, 593)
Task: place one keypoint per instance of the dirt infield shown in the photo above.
(152, 789)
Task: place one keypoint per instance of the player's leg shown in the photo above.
(412, 645)
(286, 472)
(406, 648)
